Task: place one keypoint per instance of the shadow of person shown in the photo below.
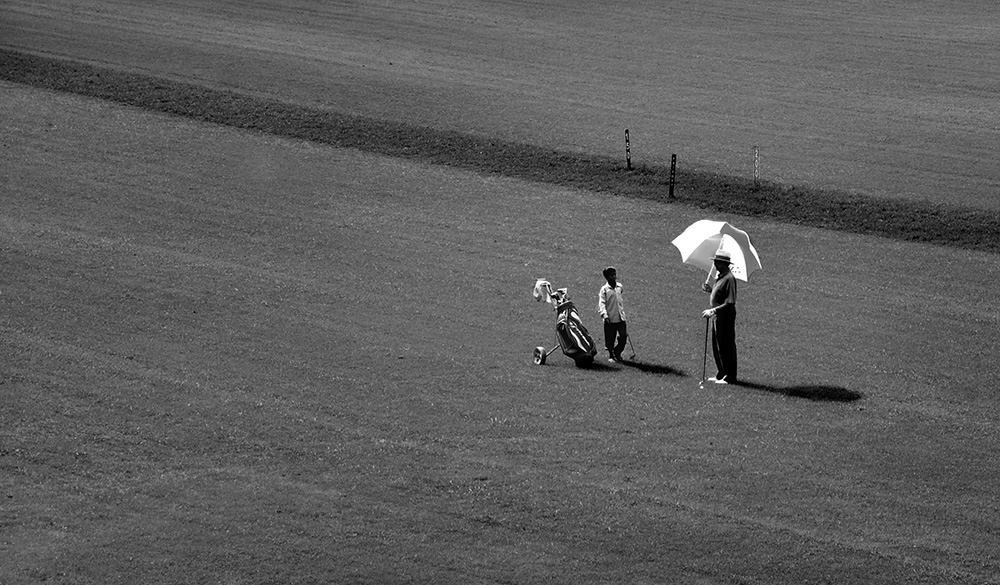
(819, 392)
(597, 366)
(654, 368)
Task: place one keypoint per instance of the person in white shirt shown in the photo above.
(611, 306)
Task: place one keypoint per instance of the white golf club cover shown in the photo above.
(543, 290)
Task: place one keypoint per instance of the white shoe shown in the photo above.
(720, 381)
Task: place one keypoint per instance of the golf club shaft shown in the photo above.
(704, 359)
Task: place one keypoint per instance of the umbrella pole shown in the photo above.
(711, 273)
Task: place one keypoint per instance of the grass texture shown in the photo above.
(927, 222)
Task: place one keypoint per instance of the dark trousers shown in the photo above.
(724, 345)
(611, 331)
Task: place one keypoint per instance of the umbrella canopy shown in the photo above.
(702, 239)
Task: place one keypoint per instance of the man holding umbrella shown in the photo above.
(722, 311)
(726, 251)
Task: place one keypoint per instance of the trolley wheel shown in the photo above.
(539, 356)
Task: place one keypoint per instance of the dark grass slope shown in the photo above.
(905, 220)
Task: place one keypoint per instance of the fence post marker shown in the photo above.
(628, 152)
(756, 167)
(673, 173)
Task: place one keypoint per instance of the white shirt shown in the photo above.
(611, 303)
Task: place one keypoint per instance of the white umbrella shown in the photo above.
(702, 239)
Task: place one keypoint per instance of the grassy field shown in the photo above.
(230, 356)
(893, 99)
(922, 221)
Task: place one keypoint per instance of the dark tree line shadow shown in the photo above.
(818, 392)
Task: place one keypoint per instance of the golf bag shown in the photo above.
(571, 335)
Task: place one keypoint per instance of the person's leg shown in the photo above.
(727, 346)
(717, 351)
(622, 339)
(609, 338)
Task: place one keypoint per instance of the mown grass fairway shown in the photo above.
(893, 99)
(229, 357)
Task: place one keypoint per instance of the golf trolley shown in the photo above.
(571, 335)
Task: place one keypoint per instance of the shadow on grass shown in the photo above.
(818, 392)
(600, 365)
(654, 368)
(923, 221)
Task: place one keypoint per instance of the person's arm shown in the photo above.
(602, 307)
(706, 286)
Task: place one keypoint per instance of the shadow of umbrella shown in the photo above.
(819, 392)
